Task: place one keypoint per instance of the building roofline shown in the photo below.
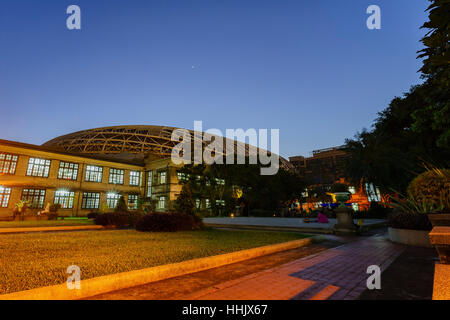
(58, 151)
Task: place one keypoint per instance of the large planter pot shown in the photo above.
(439, 219)
(417, 238)
(440, 239)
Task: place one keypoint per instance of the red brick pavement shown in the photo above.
(336, 274)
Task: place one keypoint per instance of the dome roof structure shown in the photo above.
(131, 141)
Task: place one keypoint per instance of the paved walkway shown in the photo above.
(336, 274)
(296, 223)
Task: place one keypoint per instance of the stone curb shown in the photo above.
(48, 229)
(112, 282)
(270, 228)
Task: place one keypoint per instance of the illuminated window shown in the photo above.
(94, 173)
(8, 163)
(68, 170)
(220, 203)
(116, 176)
(149, 184)
(162, 202)
(112, 199)
(134, 178)
(64, 198)
(5, 193)
(182, 176)
(220, 182)
(162, 177)
(207, 204)
(35, 197)
(197, 203)
(133, 201)
(373, 194)
(38, 167)
(90, 200)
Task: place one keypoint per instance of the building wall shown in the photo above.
(18, 181)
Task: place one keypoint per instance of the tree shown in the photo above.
(121, 205)
(415, 128)
(435, 113)
(185, 202)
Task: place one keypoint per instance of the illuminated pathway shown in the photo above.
(338, 273)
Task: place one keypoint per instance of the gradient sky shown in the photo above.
(310, 68)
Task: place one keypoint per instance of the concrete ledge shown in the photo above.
(103, 284)
(441, 285)
(49, 229)
(416, 238)
(271, 228)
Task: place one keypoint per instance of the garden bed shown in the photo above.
(35, 260)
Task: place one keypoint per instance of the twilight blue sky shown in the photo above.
(308, 67)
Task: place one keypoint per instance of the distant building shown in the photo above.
(326, 167)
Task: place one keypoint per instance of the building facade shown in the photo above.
(90, 170)
(327, 167)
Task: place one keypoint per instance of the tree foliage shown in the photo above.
(415, 128)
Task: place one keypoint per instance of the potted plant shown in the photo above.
(431, 189)
(20, 209)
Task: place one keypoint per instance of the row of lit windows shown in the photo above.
(90, 200)
(67, 170)
(184, 177)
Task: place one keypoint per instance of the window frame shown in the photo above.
(62, 170)
(12, 163)
(133, 205)
(68, 199)
(32, 196)
(5, 196)
(44, 166)
(133, 176)
(88, 197)
(90, 173)
(115, 199)
(114, 173)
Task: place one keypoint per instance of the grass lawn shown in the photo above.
(45, 223)
(34, 260)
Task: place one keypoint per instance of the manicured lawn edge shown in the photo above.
(103, 284)
(49, 229)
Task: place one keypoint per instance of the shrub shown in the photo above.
(411, 221)
(117, 219)
(261, 213)
(52, 216)
(433, 188)
(55, 207)
(134, 216)
(92, 215)
(376, 211)
(167, 222)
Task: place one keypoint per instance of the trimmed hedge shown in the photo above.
(167, 222)
(410, 221)
(116, 219)
(93, 215)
